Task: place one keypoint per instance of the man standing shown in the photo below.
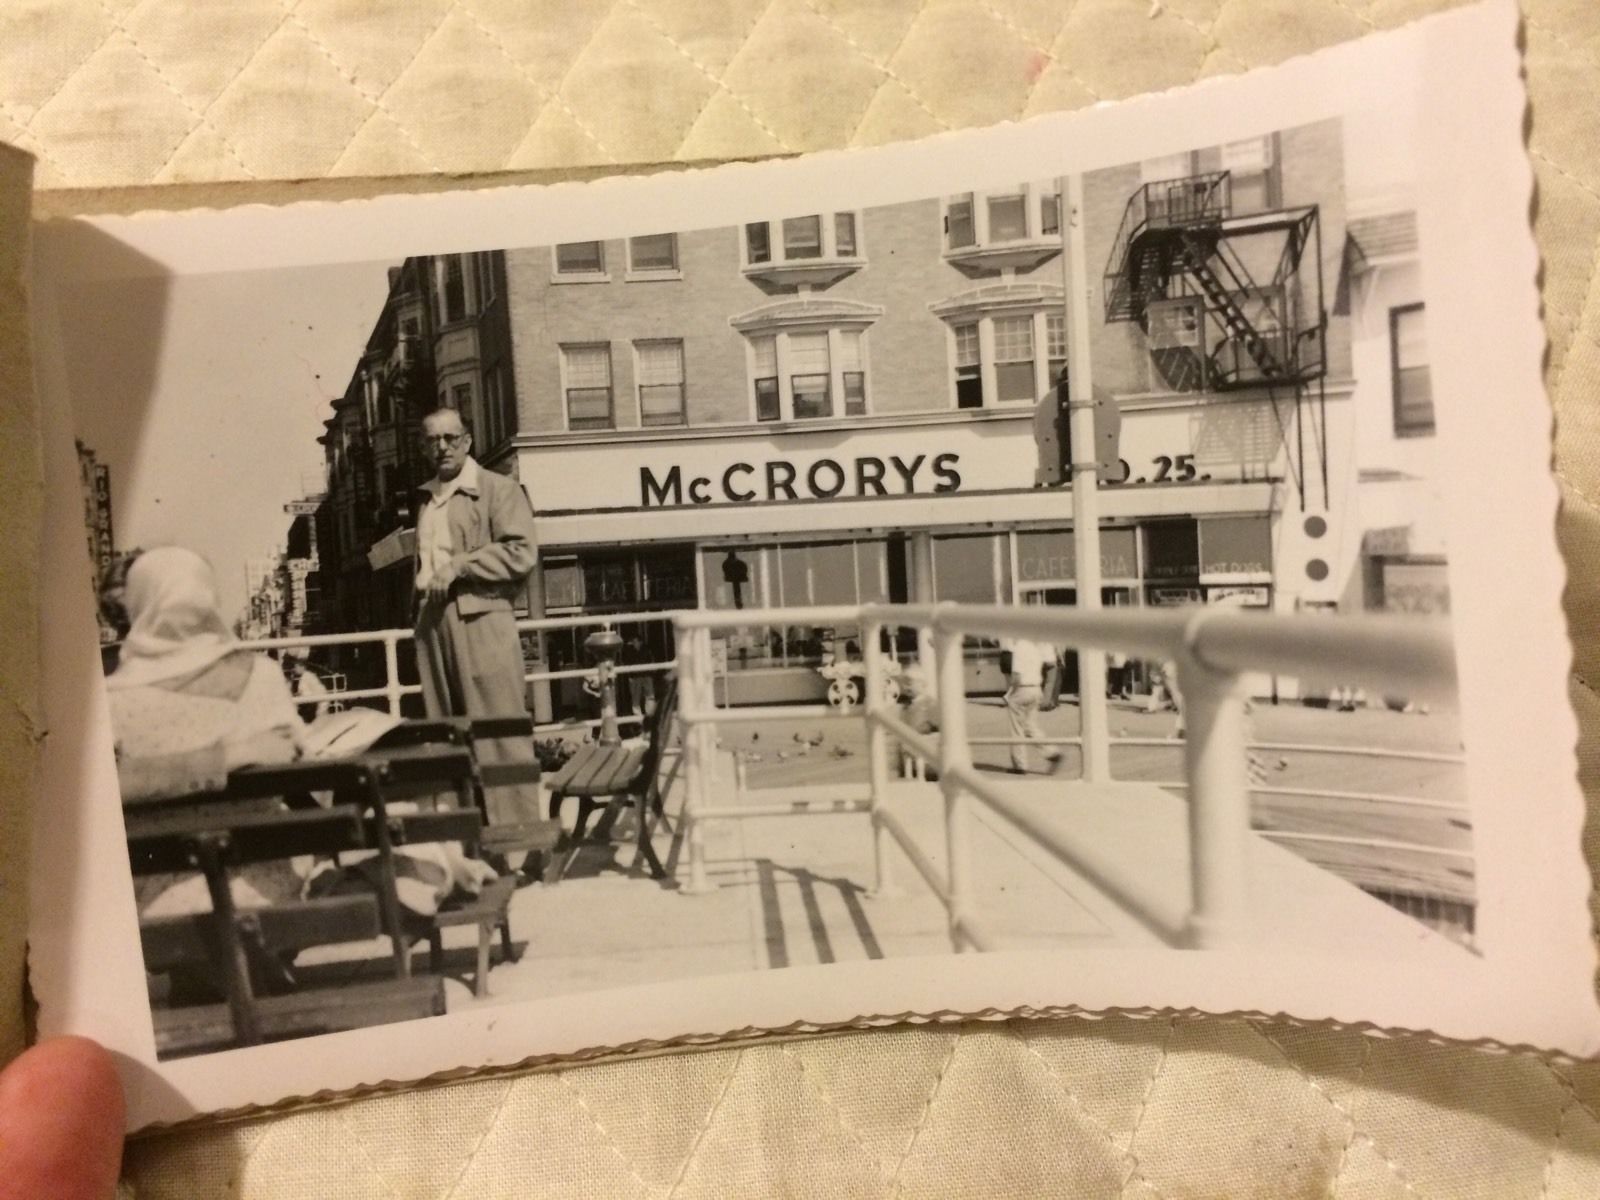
(1024, 663)
(475, 549)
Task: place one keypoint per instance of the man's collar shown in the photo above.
(466, 480)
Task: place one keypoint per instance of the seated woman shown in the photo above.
(188, 705)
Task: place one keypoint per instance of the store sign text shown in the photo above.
(824, 479)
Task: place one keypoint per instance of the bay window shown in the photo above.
(802, 375)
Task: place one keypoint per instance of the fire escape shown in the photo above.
(1228, 302)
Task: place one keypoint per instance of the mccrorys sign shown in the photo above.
(822, 479)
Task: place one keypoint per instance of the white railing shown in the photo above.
(1212, 650)
(394, 691)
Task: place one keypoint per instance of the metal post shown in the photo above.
(922, 593)
(391, 672)
(694, 682)
(954, 754)
(604, 645)
(877, 753)
(1085, 485)
(1219, 801)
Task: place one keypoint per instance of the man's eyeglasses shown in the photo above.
(444, 439)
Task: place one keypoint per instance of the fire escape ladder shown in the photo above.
(1197, 257)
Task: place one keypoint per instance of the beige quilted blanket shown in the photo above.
(114, 94)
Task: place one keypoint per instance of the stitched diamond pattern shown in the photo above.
(126, 92)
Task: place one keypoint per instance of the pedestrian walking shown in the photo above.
(1024, 663)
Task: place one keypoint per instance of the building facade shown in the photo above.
(838, 407)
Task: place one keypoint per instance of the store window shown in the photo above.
(972, 568)
(654, 254)
(1236, 546)
(1409, 375)
(580, 258)
(661, 383)
(586, 373)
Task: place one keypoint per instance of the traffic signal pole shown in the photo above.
(1094, 723)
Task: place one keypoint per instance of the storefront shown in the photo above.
(936, 510)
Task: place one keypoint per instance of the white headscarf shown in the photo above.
(171, 601)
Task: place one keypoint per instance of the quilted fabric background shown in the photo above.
(110, 94)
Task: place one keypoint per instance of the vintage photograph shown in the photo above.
(1062, 560)
(412, 700)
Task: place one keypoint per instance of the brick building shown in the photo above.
(838, 407)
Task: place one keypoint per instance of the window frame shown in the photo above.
(985, 378)
(639, 385)
(1403, 427)
(565, 350)
(780, 387)
(777, 245)
(672, 271)
(586, 275)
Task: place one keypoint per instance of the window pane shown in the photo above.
(872, 571)
(758, 242)
(1049, 214)
(1008, 218)
(959, 230)
(661, 404)
(766, 355)
(655, 252)
(963, 569)
(576, 257)
(455, 289)
(969, 388)
(1013, 339)
(802, 237)
(833, 573)
(733, 578)
(1250, 155)
(844, 234)
(589, 408)
(808, 353)
(966, 345)
(794, 576)
(811, 396)
(588, 366)
(660, 362)
(1413, 385)
(1014, 381)
(1055, 334)
(767, 399)
(855, 394)
(850, 350)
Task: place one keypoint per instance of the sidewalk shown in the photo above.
(794, 890)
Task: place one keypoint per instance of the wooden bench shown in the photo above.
(202, 1028)
(537, 838)
(215, 833)
(620, 775)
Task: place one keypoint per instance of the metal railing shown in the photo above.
(393, 691)
(1212, 651)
